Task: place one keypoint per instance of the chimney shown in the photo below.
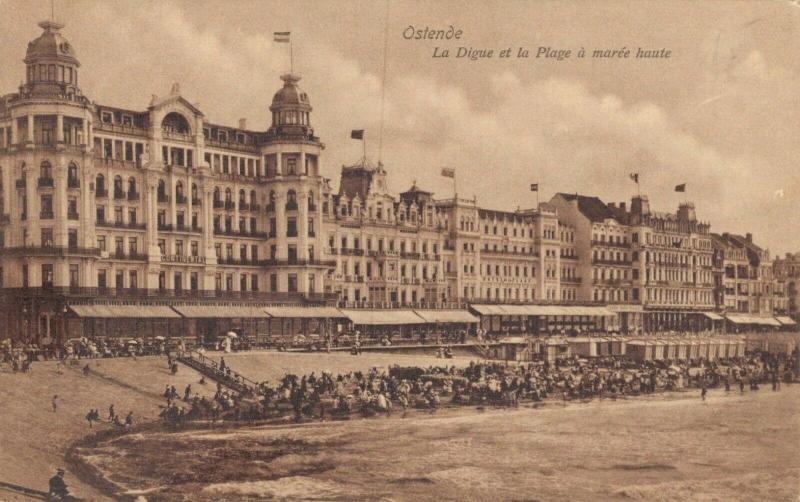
(749, 237)
(686, 212)
(640, 205)
(622, 206)
(612, 205)
(242, 123)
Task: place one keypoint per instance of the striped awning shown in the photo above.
(787, 321)
(445, 316)
(124, 311)
(304, 312)
(713, 316)
(220, 311)
(382, 317)
(544, 310)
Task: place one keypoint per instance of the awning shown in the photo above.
(543, 310)
(303, 312)
(746, 319)
(488, 309)
(787, 321)
(442, 316)
(383, 317)
(125, 311)
(220, 311)
(713, 316)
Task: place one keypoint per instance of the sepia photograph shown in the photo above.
(399, 250)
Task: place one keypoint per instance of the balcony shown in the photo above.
(51, 251)
(119, 194)
(195, 202)
(244, 206)
(164, 227)
(291, 206)
(101, 192)
(409, 255)
(162, 197)
(73, 183)
(180, 199)
(230, 205)
(570, 280)
(296, 262)
(46, 215)
(119, 224)
(312, 207)
(133, 195)
(255, 207)
(218, 204)
(352, 251)
(291, 233)
(120, 255)
(46, 182)
(619, 263)
(5, 218)
(72, 216)
(20, 183)
(270, 207)
(622, 245)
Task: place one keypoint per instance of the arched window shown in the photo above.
(162, 188)
(72, 172)
(132, 185)
(175, 122)
(46, 170)
(118, 183)
(311, 199)
(216, 194)
(271, 201)
(179, 189)
(253, 197)
(194, 192)
(291, 199)
(228, 195)
(242, 199)
(100, 182)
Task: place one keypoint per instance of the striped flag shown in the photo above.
(635, 177)
(282, 37)
(448, 172)
(534, 187)
(357, 134)
(680, 188)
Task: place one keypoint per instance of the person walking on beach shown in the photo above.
(111, 413)
(703, 391)
(54, 402)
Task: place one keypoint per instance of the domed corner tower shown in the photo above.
(49, 194)
(293, 194)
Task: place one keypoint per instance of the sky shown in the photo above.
(720, 114)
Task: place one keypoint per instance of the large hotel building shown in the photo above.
(166, 216)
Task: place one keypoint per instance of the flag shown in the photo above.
(680, 188)
(448, 172)
(282, 37)
(534, 187)
(635, 177)
(357, 134)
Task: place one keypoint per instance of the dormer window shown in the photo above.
(222, 136)
(107, 117)
(127, 120)
(206, 133)
(240, 138)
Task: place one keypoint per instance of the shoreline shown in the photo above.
(91, 476)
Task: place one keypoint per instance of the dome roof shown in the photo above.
(50, 45)
(290, 94)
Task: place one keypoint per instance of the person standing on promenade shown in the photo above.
(54, 402)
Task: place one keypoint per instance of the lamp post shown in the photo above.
(62, 336)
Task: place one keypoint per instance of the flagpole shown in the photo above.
(291, 57)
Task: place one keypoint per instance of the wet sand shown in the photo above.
(660, 447)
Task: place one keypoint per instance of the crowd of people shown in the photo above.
(317, 396)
